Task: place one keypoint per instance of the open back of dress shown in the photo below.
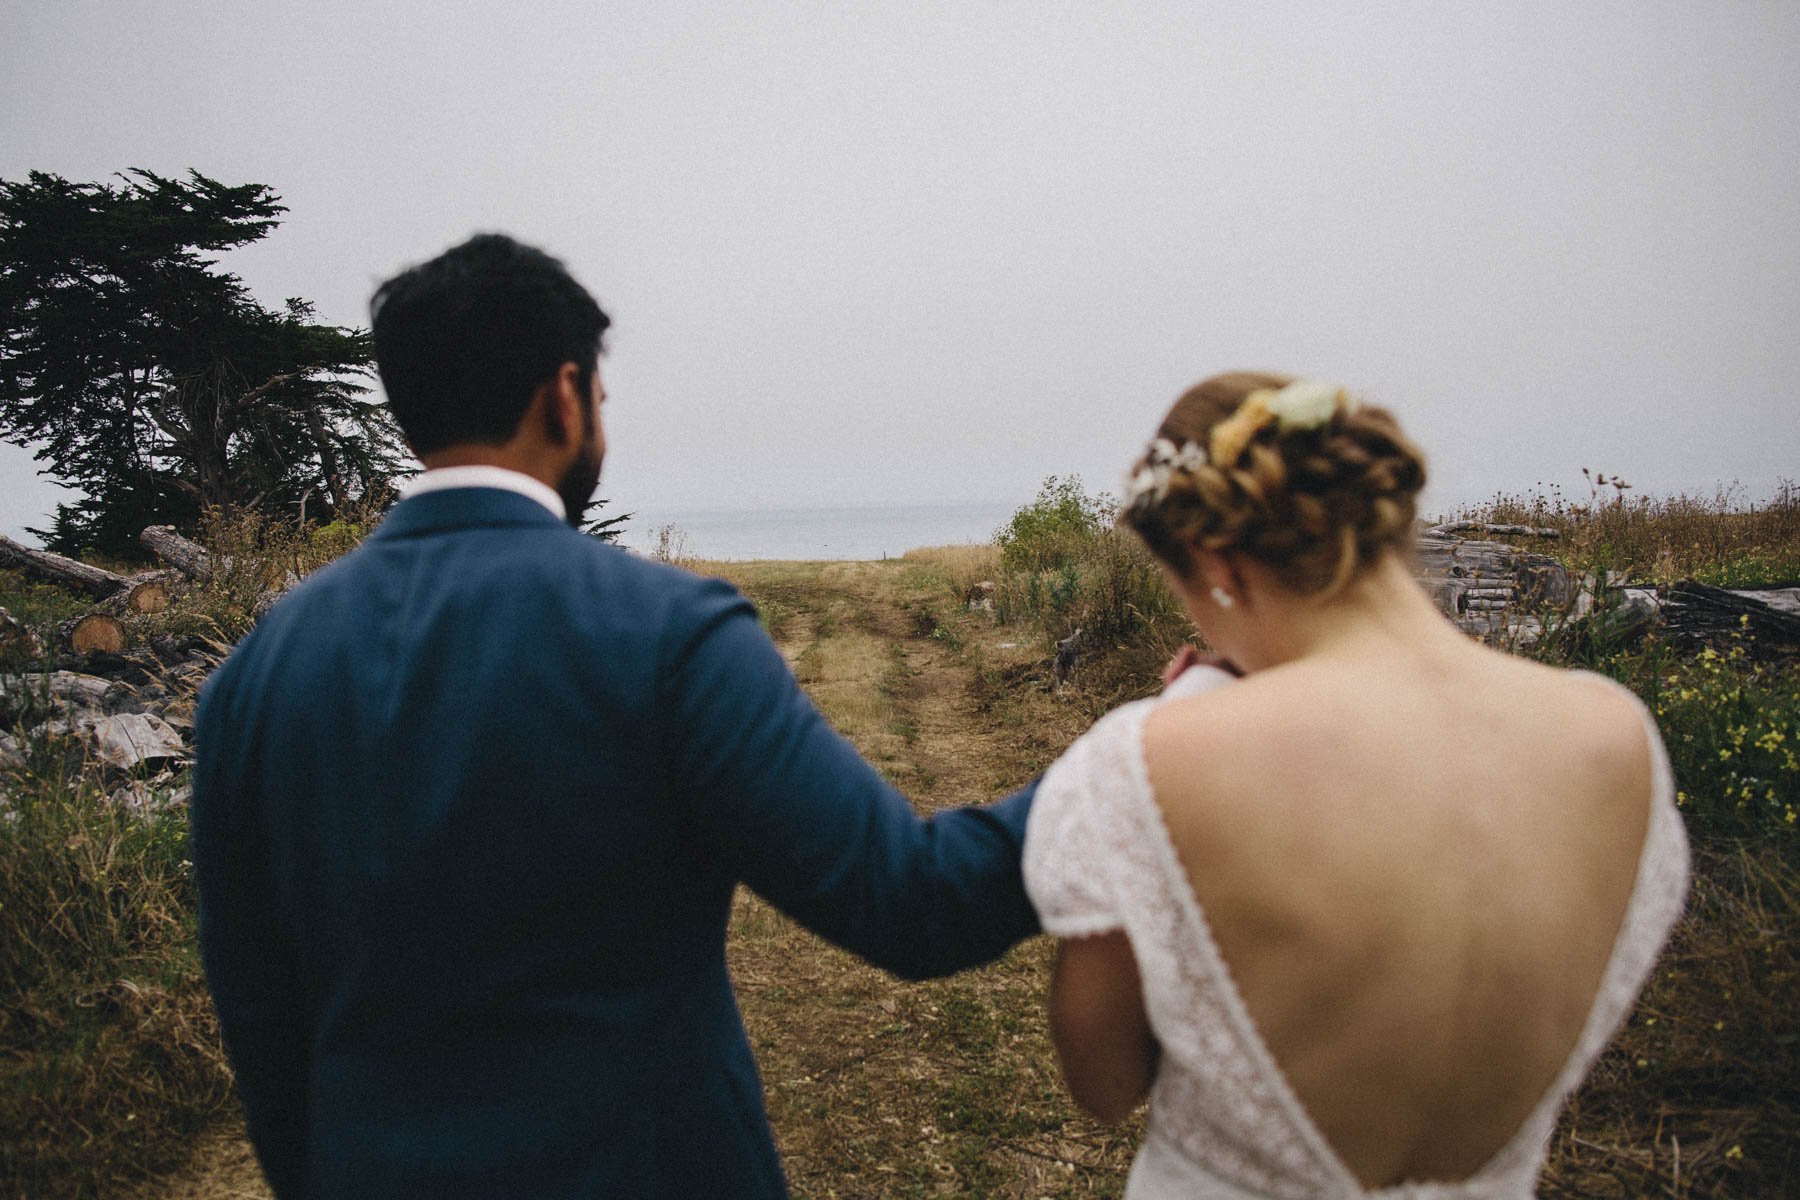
(1224, 1121)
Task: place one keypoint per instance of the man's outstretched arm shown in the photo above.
(816, 830)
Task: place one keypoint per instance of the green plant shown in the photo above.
(156, 382)
(1052, 530)
(1732, 726)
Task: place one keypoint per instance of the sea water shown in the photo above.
(873, 531)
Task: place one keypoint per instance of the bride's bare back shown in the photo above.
(1415, 867)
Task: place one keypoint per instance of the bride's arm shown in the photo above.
(1097, 1021)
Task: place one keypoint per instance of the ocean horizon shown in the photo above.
(813, 532)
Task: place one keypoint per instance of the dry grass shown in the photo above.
(876, 1087)
(1699, 1096)
(109, 1051)
(1720, 539)
(959, 568)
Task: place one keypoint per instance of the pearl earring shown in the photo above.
(1222, 598)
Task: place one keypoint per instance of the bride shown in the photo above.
(1358, 922)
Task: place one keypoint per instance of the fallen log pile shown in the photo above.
(143, 592)
(120, 597)
(1508, 595)
(130, 714)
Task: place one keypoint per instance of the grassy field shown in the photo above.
(938, 667)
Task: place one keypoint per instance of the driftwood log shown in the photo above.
(1507, 594)
(1482, 580)
(1445, 530)
(143, 594)
(54, 568)
(198, 564)
(97, 631)
(1695, 612)
(190, 558)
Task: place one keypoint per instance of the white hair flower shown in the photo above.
(1150, 482)
(1306, 404)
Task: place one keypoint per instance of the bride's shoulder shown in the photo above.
(1278, 705)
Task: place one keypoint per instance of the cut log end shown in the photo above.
(94, 632)
(150, 596)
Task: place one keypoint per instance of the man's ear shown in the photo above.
(562, 403)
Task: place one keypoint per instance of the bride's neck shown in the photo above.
(1382, 613)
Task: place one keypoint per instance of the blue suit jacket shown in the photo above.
(469, 808)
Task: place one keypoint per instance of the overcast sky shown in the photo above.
(904, 252)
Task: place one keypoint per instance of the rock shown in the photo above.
(72, 688)
(148, 799)
(1068, 652)
(128, 739)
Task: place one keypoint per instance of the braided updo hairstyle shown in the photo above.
(1314, 505)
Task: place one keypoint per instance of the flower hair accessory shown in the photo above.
(1302, 404)
(1150, 482)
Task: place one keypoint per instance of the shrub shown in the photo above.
(254, 553)
(1064, 567)
(1053, 530)
(1732, 726)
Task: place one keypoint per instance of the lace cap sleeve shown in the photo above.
(1072, 858)
(1065, 862)
(1072, 853)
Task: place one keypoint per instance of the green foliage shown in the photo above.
(41, 606)
(1054, 529)
(1065, 566)
(1732, 726)
(155, 383)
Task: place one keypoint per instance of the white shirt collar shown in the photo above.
(482, 475)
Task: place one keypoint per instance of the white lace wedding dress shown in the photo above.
(1224, 1122)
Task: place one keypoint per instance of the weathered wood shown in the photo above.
(1492, 530)
(95, 631)
(55, 568)
(144, 594)
(128, 740)
(190, 558)
(1765, 619)
(198, 564)
(1465, 576)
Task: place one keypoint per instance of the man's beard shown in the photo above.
(576, 487)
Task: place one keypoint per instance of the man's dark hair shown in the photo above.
(464, 340)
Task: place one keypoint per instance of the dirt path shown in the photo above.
(876, 1087)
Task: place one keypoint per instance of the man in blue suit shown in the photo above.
(470, 805)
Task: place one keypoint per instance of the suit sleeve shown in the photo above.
(805, 822)
(250, 967)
